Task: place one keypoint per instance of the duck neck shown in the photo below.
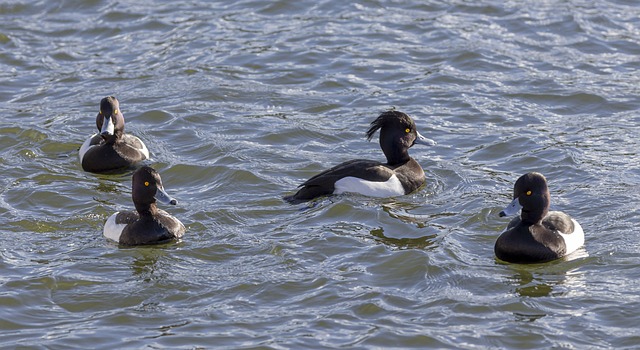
(146, 209)
(534, 216)
(395, 147)
(111, 139)
(397, 158)
(395, 151)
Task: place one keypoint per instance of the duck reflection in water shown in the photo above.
(555, 279)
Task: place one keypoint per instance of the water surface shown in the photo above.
(239, 102)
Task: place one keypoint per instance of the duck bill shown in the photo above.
(421, 140)
(163, 197)
(512, 208)
(107, 126)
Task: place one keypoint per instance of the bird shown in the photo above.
(537, 235)
(400, 175)
(111, 149)
(147, 224)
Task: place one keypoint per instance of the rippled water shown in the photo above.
(239, 102)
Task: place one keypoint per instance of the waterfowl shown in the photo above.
(537, 235)
(111, 148)
(400, 175)
(147, 224)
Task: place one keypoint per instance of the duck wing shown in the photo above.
(558, 221)
(324, 183)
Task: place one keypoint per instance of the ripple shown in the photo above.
(239, 102)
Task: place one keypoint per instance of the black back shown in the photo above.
(524, 244)
(156, 229)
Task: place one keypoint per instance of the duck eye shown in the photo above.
(528, 193)
(146, 183)
(100, 112)
(407, 130)
(115, 112)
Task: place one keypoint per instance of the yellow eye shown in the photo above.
(146, 183)
(528, 193)
(407, 130)
(100, 112)
(115, 112)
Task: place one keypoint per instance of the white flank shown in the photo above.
(574, 240)
(112, 230)
(389, 188)
(85, 147)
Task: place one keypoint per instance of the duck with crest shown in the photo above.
(400, 175)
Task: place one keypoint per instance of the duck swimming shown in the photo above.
(400, 175)
(537, 235)
(111, 148)
(147, 224)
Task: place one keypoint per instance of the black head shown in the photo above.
(147, 188)
(110, 120)
(531, 194)
(397, 134)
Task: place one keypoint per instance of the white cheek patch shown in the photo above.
(575, 239)
(389, 188)
(112, 230)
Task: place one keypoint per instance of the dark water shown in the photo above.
(241, 101)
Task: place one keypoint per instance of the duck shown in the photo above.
(147, 224)
(400, 175)
(111, 149)
(537, 235)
